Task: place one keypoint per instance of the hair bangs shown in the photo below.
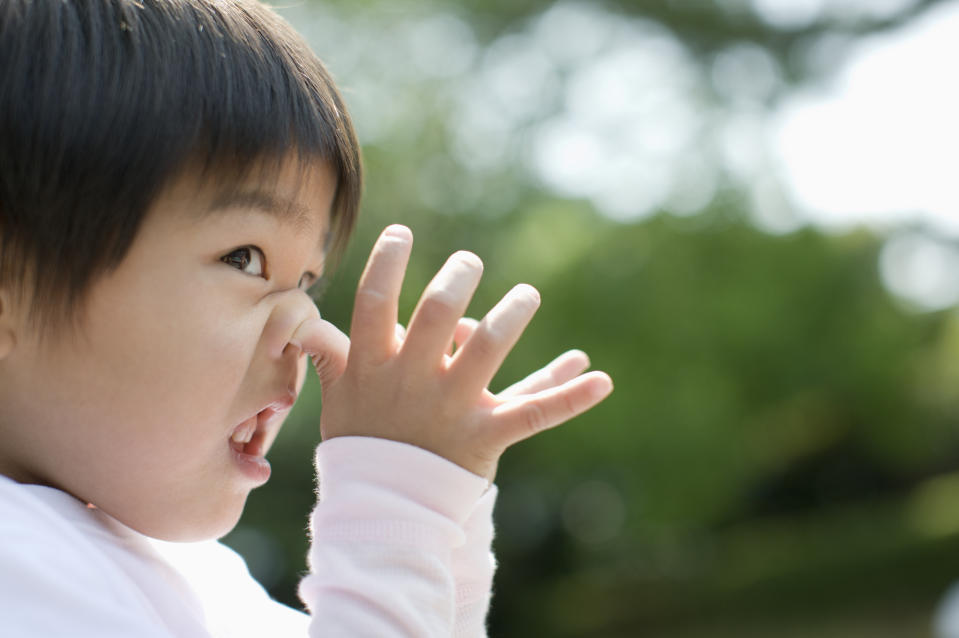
(104, 102)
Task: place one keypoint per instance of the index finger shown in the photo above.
(373, 328)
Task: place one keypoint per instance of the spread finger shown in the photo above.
(444, 301)
(475, 363)
(373, 328)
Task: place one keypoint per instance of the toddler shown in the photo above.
(174, 177)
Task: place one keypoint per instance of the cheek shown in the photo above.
(174, 359)
(206, 358)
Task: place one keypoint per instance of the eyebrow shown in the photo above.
(285, 211)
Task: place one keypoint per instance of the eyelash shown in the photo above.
(307, 280)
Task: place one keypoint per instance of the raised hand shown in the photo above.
(410, 386)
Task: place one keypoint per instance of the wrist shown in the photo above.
(348, 464)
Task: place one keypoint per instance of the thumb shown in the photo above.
(326, 346)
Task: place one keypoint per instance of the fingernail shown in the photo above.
(468, 258)
(579, 353)
(398, 231)
(601, 390)
(527, 291)
(457, 278)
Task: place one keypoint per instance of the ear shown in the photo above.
(8, 324)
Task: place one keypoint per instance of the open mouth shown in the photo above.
(249, 443)
(251, 439)
(250, 436)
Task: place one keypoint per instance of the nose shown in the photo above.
(290, 309)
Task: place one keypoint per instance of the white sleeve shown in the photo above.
(946, 617)
(389, 554)
(473, 567)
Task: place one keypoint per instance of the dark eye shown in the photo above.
(248, 259)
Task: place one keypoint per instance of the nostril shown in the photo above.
(293, 347)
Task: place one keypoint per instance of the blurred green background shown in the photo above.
(780, 455)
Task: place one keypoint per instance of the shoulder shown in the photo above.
(54, 579)
(38, 526)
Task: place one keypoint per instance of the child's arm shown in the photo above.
(391, 554)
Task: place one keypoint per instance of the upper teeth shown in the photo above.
(244, 433)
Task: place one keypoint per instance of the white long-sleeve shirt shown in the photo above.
(400, 547)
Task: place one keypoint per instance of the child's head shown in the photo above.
(172, 174)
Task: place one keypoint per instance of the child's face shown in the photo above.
(183, 346)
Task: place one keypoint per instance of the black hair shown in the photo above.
(104, 102)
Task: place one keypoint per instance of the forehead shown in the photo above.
(293, 193)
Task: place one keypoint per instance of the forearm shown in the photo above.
(389, 540)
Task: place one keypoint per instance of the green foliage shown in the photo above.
(768, 463)
(760, 380)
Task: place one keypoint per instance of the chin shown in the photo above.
(186, 527)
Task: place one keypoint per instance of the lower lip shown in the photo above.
(254, 468)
